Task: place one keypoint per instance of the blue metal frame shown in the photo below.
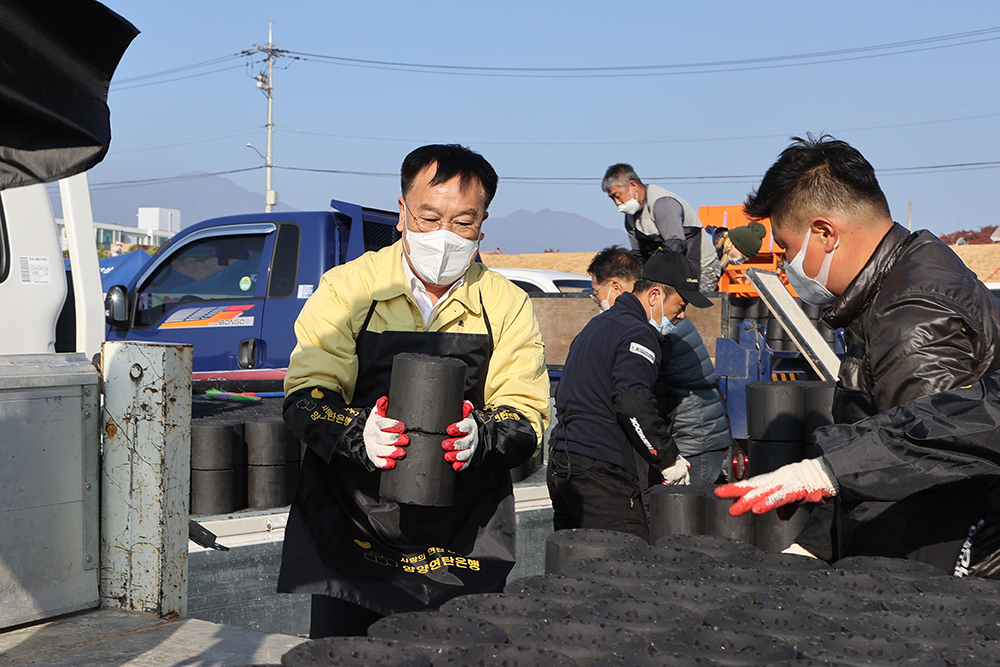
(753, 360)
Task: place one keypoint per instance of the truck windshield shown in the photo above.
(213, 269)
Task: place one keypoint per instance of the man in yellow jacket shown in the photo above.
(359, 555)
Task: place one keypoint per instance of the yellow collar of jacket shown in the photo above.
(390, 281)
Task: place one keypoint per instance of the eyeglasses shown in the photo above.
(594, 297)
(464, 223)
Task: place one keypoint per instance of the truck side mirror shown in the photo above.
(116, 307)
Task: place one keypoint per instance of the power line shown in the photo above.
(743, 64)
(590, 180)
(183, 68)
(110, 185)
(184, 142)
(180, 78)
(721, 135)
(342, 171)
(815, 58)
(547, 180)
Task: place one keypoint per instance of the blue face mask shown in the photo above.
(664, 326)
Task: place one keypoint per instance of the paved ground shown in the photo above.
(107, 638)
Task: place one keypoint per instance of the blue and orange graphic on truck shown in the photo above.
(209, 316)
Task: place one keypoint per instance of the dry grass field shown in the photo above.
(983, 259)
(573, 262)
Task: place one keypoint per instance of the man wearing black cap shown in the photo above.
(607, 413)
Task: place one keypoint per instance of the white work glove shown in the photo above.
(384, 437)
(811, 481)
(458, 451)
(679, 473)
(799, 550)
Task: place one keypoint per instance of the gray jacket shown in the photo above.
(687, 385)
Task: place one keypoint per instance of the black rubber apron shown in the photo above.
(345, 541)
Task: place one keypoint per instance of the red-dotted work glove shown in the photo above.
(384, 437)
(458, 451)
(810, 481)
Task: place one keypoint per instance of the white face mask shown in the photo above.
(737, 259)
(604, 305)
(631, 207)
(665, 326)
(440, 257)
(812, 290)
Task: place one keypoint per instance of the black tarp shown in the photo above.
(56, 61)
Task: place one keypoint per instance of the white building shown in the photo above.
(156, 225)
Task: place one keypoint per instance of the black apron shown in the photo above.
(648, 243)
(345, 541)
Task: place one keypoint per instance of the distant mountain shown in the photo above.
(197, 199)
(212, 196)
(523, 232)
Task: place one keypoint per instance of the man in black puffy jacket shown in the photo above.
(917, 320)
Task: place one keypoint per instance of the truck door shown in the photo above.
(32, 277)
(208, 292)
(285, 297)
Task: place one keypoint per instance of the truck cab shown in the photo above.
(233, 286)
(31, 270)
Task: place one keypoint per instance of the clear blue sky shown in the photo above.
(939, 105)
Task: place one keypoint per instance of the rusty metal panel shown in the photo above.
(146, 477)
(49, 422)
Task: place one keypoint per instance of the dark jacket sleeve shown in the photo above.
(321, 419)
(506, 438)
(636, 364)
(948, 438)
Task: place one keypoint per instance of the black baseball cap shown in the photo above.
(669, 267)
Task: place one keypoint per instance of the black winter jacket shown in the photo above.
(935, 462)
(917, 320)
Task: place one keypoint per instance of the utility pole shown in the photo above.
(266, 83)
(909, 217)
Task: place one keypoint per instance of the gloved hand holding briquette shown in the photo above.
(458, 450)
(384, 437)
(810, 481)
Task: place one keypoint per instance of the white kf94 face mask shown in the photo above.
(631, 207)
(811, 290)
(440, 257)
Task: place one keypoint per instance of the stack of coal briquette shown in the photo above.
(609, 599)
(242, 457)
